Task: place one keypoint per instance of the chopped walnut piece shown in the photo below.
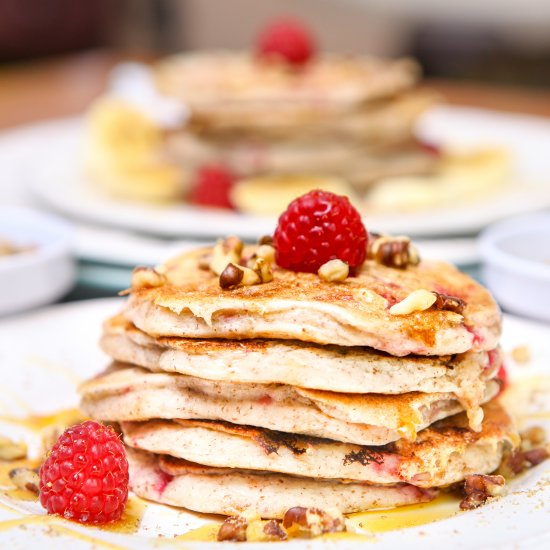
(225, 252)
(417, 300)
(273, 531)
(519, 461)
(392, 251)
(266, 239)
(262, 268)
(258, 271)
(248, 526)
(25, 478)
(266, 252)
(265, 531)
(334, 271)
(147, 277)
(233, 528)
(478, 488)
(521, 355)
(231, 276)
(227, 263)
(535, 456)
(313, 522)
(449, 303)
(10, 450)
(512, 463)
(533, 450)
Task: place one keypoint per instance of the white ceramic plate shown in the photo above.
(42, 379)
(54, 173)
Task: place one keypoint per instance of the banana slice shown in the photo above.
(153, 184)
(270, 195)
(459, 178)
(124, 154)
(123, 132)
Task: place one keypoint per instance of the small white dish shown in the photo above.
(45, 270)
(516, 264)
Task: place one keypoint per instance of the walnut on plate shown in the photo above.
(479, 488)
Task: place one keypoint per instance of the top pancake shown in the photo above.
(301, 306)
(228, 84)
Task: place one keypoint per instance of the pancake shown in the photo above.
(351, 162)
(373, 132)
(385, 123)
(299, 306)
(270, 495)
(131, 393)
(338, 369)
(442, 454)
(229, 90)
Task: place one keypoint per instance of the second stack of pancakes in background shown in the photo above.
(284, 121)
(241, 385)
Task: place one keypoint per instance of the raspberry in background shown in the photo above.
(288, 40)
(317, 227)
(213, 186)
(430, 147)
(502, 375)
(85, 477)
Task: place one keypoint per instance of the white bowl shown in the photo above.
(516, 264)
(42, 274)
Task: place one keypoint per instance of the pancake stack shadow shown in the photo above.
(300, 392)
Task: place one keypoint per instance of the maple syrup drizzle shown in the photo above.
(379, 521)
(205, 533)
(56, 526)
(37, 423)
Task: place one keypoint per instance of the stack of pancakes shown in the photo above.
(343, 116)
(301, 392)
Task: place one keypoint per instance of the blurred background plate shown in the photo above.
(55, 177)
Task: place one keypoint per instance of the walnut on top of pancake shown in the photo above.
(392, 251)
(320, 232)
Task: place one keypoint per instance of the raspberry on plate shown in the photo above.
(318, 227)
(212, 186)
(286, 39)
(85, 477)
